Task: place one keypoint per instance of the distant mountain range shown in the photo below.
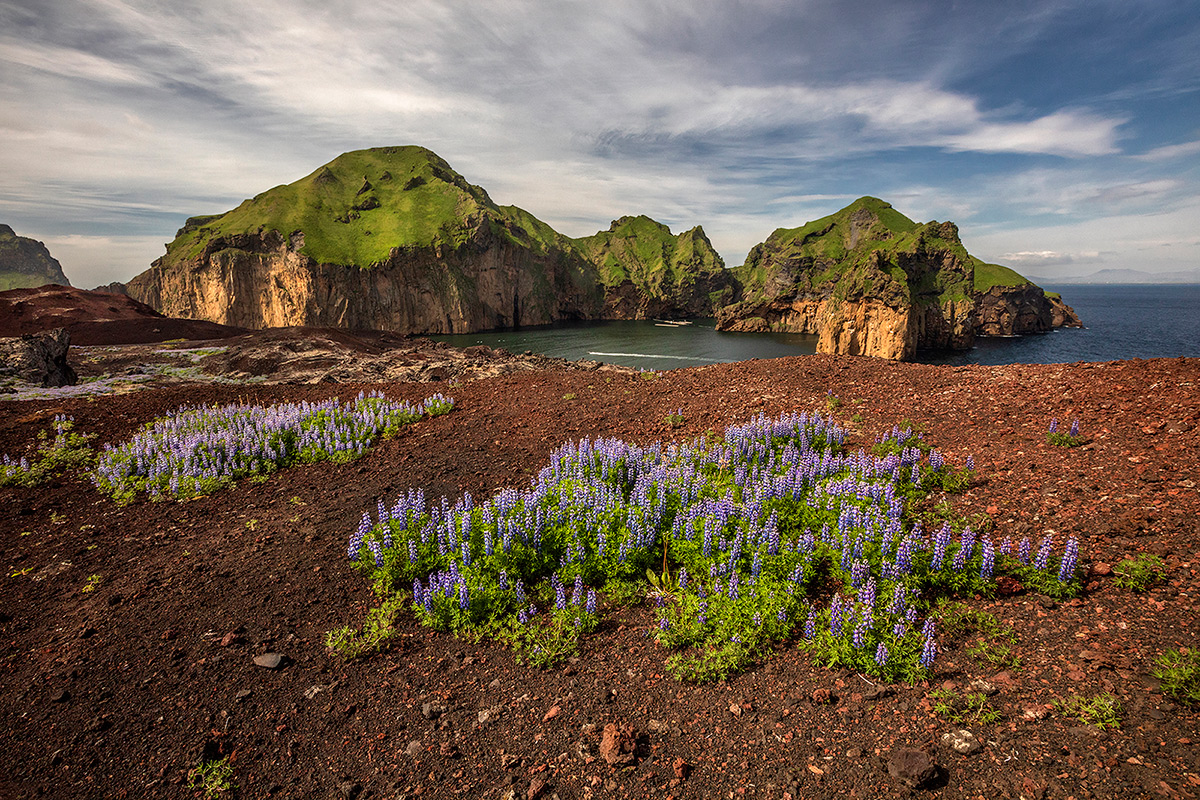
(1123, 276)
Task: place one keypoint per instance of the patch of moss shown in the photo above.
(989, 275)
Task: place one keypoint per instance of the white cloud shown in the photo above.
(1171, 151)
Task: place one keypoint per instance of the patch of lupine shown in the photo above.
(195, 451)
(67, 450)
(1057, 437)
(753, 523)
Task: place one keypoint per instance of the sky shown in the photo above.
(1062, 137)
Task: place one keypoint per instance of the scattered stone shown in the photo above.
(430, 711)
(231, 638)
(536, 787)
(313, 691)
(980, 685)
(654, 725)
(488, 715)
(509, 760)
(1101, 569)
(60, 696)
(912, 767)
(1034, 712)
(879, 692)
(242, 694)
(269, 661)
(681, 768)
(854, 753)
(607, 695)
(349, 789)
(617, 744)
(552, 713)
(1004, 679)
(448, 750)
(961, 741)
(735, 709)
(823, 697)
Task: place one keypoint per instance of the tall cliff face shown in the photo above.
(26, 263)
(389, 238)
(867, 280)
(648, 272)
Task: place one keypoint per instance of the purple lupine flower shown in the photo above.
(1043, 554)
(1075, 429)
(859, 571)
(859, 637)
(835, 615)
(971, 463)
(734, 594)
(867, 595)
(1023, 551)
(591, 602)
(1005, 546)
(418, 590)
(899, 598)
(577, 593)
(464, 597)
(941, 541)
(987, 561)
(758, 620)
(683, 579)
(899, 629)
(1053, 425)
(810, 624)
(881, 655)
(1066, 570)
(376, 551)
(664, 624)
(929, 629)
(522, 616)
(781, 614)
(928, 652)
(356, 541)
(560, 594)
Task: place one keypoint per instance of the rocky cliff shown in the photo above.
(869, 281)
(866, 280)
(389, 238)
(648, 272)
(26, 263)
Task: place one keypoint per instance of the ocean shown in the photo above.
(1120, 322)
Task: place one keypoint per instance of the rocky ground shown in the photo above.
(133, 636)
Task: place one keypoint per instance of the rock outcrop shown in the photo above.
(869, 281)
(38, 358)
(650, 273)
(390, 238)
(26, 263)
(866, 280)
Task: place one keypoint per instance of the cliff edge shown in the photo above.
(26, 263)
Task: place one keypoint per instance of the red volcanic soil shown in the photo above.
(97, 318)
(120, 691)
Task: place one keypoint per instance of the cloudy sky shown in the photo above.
(1062, 137)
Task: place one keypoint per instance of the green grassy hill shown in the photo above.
(26, 263)
(356, 209)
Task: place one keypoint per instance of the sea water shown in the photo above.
(1120, 322)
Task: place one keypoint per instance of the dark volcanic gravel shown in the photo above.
(203, 634)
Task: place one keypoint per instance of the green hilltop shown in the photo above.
(26, 263)
(646, 253)
(868, 247)
(359, 207)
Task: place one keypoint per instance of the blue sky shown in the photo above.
(1062, 137)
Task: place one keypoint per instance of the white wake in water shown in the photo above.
(651, 355)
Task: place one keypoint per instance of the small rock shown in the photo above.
(879, 692)
(681, 768)
(430, 711)
(448, 750)
(60, 696)
(509, 760)
(414, 747)
(269, 661)
(536, 787)
(911, 767)
(1034, 712)
(654, 726)
(230, 638)
(961, 741)
(488, 715)
(607, 695)
(1101, 569)
(980, 685)
(617, 744)
(823, 697)
(349, 789)
(313, 691)
(552, 713)
(242, 694)
(735, 709)
(854, 753)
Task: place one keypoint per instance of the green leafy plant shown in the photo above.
(372, 637)
(832, 401)
(54, 456)
(987, 638)
(675, 419)
(1102, 711)
(569, 396)
(214, 778)
(1179, 671)
(1139, 574)
(969, 707)
(90, 585)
